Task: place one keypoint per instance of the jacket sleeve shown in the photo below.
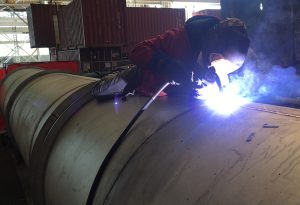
(166, 44)
(157, 56)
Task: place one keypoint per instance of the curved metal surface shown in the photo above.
(36, 102)
(92, 131)
(47, 136)
(12, 82)
(202, 158)
(177, 152)
(46, 111)
(159, 114)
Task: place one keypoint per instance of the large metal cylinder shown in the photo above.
(176, 153)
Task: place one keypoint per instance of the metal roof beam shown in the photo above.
(5, 21)
(9, 30)
(12, 42)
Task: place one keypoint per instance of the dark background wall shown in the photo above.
(274, 30)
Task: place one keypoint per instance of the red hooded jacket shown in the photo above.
(179, 44)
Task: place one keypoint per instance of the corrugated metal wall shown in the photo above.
(41, 27)
(92, 23)
(71, 25)
(30, 26)
(143, 23)
(63, 27)
(103, 22)
(76, 25)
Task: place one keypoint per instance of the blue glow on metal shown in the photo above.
(226, 102)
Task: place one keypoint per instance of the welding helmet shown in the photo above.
(226, 47)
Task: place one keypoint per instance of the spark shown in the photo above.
(223, 67)
(226, 102)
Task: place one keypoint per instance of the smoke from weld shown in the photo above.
(278, 81)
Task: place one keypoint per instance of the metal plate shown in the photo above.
(203, 158)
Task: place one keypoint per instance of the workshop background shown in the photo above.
(95, 36)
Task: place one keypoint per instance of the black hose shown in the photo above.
(118, 143)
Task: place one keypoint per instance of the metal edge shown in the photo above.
(21, 86)
(117, 144)
(8, 74)
(15, 94)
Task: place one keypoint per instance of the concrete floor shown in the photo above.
(11, 189)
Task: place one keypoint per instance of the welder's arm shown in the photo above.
(159, 63)
(165, 65)
(151, 55)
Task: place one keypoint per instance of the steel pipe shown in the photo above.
(178, 152)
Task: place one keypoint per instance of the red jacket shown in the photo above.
(176, 43)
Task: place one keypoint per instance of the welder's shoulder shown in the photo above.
(171, 33)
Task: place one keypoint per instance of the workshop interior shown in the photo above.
(149, 102)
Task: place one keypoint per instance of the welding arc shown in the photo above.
(119, 142)
(218, 81)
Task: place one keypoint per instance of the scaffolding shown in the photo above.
(14, 35)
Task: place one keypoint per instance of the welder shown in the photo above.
(206, 49)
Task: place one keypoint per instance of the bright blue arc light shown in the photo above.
(224, 103)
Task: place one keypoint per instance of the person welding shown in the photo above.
(204, 52)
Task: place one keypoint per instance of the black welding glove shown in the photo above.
(211, 77)
(118, 83)
(209, 84)
(174, 70)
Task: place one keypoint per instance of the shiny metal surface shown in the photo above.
(92, 132)
(39, 102)
(45, 93)
(178, 152)
(11, 83)
(202, 158)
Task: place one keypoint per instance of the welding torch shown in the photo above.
(220, 69)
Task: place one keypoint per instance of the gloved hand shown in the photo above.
(211, 77)
(207, 90)
(174, 70)
(117, 83)
(186, 90)
(200, 87)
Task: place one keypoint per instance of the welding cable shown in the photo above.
(119, 142)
